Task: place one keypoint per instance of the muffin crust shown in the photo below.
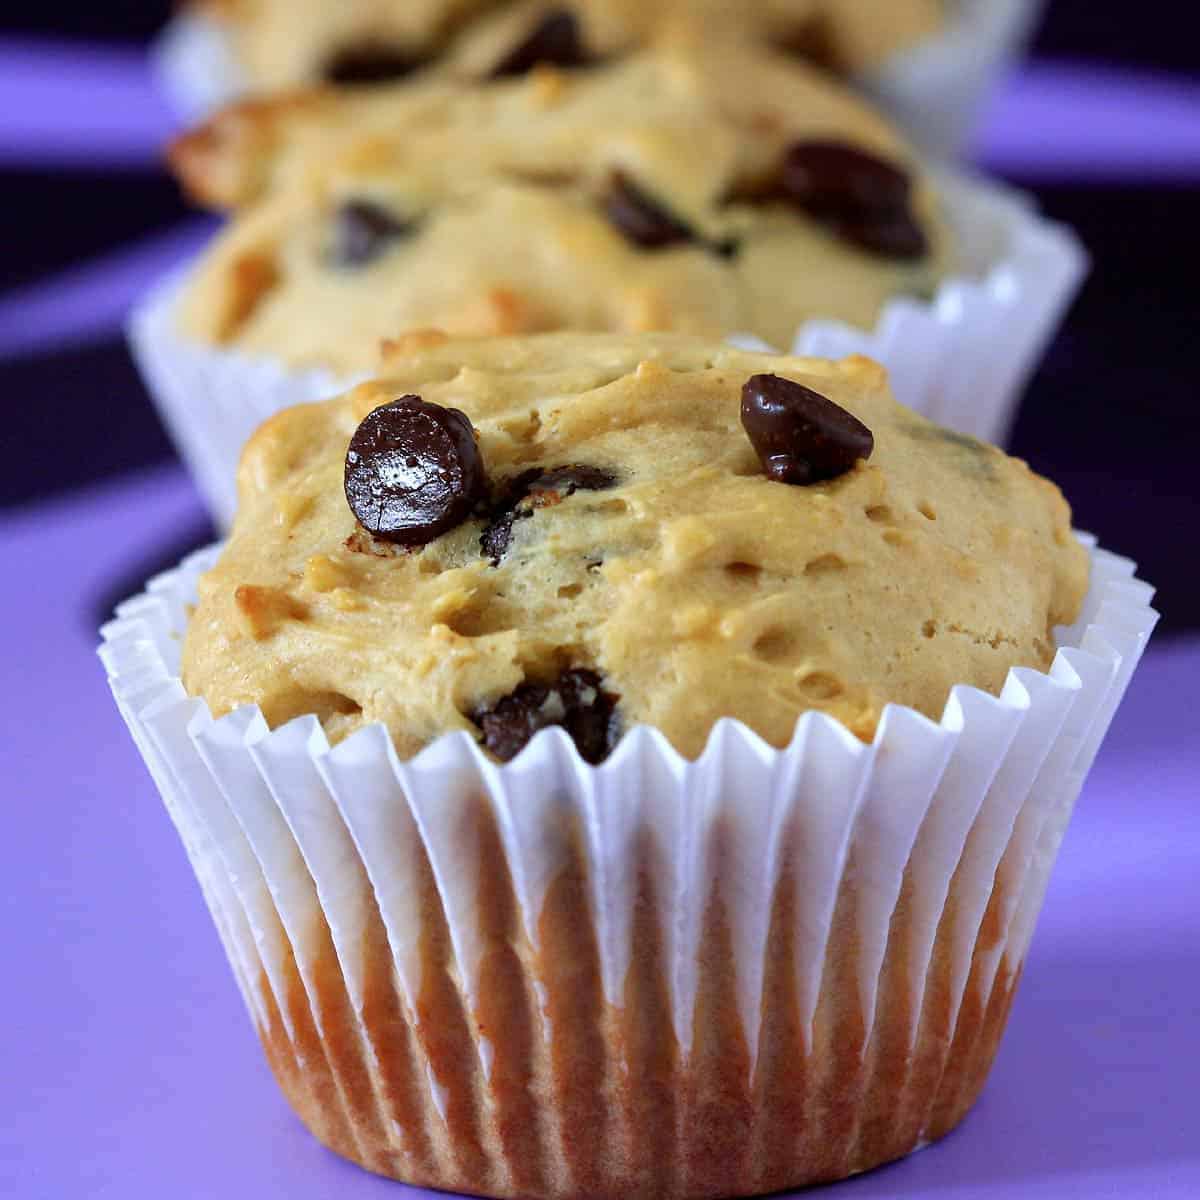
(694, 587)
(507, 210)
(283, 43)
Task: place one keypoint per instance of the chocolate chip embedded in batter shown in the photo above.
(646, 223)
(555, 41)
(641, 219)
(551, 487)
(413, 471)
(362, 231)
(862, 198)
(368, 62)
(801, 436)
(577, 702)
(533, 489)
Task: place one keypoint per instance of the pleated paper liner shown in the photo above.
(656, 977)
(961, 359)
(936, 91)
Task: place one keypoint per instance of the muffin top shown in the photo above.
(559, 201)
(285, 43)
(598, 532)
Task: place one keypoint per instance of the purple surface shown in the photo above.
(130, 1069)
(1071, 122)
(1050, 120)
(64, 104)
(93, 299)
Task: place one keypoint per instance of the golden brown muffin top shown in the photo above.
(691, 192)
(626, 559)
(288, 43)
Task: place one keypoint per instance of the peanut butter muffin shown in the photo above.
(557, 201)
(497, 935)
(602, 532)
(284, 43)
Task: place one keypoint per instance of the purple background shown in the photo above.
(128, 1069)
(131, 1070)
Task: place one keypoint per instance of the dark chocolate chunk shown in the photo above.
(549, 487)
(368, 62)
(533, 489)
(646, 223)
(895, 236)
(813, 41)
(413, 471)
(577, 702)
(640, 218)
(362, 231)
(862, 199)
(801, 436)
(555, 40)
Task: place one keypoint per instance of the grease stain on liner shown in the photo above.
(290, 838)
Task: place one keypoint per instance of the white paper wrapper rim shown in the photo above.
(977, 738)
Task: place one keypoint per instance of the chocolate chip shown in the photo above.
(577, 702)
(641, 219)
(800, 436)
(894, 236)
(862, 199)
(550, 487)
(555, 40)
(533, 489)
(362, 231)
(646, 223)
(413, 471)
(813, 41)
(368, 62)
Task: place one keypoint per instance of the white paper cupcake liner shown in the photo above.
(936, 90)
(752, 971)
(195, 66)
(211, 400)
(962, 359)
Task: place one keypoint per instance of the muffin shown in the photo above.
(280, 44)
(622, 525)
(580, 201)
(557, 202)
(555, 743)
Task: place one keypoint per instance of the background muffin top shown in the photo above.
(282, 43)
(559, 200)
(627, 559)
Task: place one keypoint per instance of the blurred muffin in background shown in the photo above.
(284, 43)
(716, 190)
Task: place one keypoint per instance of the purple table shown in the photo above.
(129, 1070)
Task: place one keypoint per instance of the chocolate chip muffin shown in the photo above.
(496, 933)
(600, 532)
(554, 202)
(284, 43)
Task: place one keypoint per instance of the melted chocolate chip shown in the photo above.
(362, 231)
(533, 489)
(368, 62)
(813, 41)
(894, 236)
(577, 702)
(641, 219)
(413, 471)
(800, 436)
(646, 223)
(861, 198)
(555, 40)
